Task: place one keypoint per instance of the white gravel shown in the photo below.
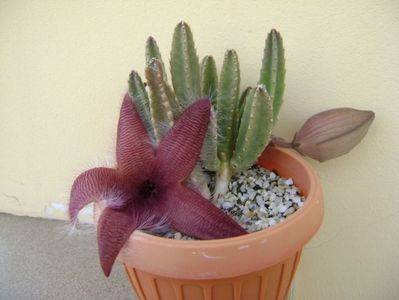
(257, 199)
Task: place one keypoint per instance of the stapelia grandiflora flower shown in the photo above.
(147, 186)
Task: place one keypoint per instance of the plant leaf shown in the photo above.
(332, 133)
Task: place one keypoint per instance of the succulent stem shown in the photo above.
(227, 106)
(140, 99)
(241, 105)
(184, 66)
(255, 128)
(152, 51)
(209, 156)
(240, 124)
(272, 73)
(163, 104)
(223, 177)
(280, 142)
(209, 79)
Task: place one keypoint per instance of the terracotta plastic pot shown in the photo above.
(260, 265)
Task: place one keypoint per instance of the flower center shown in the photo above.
(148, 189)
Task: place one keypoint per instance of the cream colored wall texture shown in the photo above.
(64, 68)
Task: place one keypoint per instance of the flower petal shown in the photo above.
(191, 214)
(179, 150)
(133, 147)
(113, 229)
(89, 185)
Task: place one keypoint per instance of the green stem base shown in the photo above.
(223, 177)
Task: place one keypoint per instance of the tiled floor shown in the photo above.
(39, 260)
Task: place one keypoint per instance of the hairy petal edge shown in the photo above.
(88, 186)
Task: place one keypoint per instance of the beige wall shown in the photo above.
(63, 70)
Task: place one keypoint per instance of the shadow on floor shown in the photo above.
(39, 260)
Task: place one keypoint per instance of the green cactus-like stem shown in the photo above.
(163, 105)
(140, 98)
(184, 66)
(152, 51)
(242, 100)
(272, 73)
(255, 128)
(241, 104)
(209, 156)
(164, 111)
(227, 106)
(209, 79)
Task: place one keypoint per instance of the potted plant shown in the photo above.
(185, 162)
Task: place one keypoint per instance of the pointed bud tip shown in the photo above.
(371, 114)
(208, 58)
(151, 40)
(274, 32)
(133, 74)
(182, 26)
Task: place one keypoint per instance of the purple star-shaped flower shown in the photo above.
(147, 186)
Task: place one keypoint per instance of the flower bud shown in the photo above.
(332, 133)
